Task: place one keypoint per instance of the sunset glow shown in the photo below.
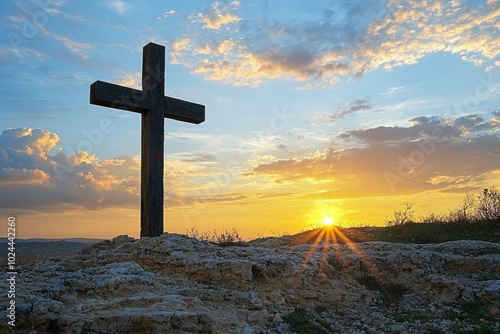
(318, 113)
(326, 241)
(328, 221)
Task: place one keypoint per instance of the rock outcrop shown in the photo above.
(176, 284)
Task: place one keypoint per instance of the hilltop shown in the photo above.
(304, 283)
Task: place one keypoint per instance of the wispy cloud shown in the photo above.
(119, 6)
(352, 107)
(393, 91)
(199, 158)
(167, 14)
(20, 45)
(416, 104)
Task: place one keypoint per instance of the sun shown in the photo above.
(328, 221)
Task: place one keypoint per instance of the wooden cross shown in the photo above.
(153, 105)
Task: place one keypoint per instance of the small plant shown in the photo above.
(30, 259)
(414, 315)
(464, 213)
(450, 314)
(488, 207)
(214, 287)
(201, 236)
(484, 329)
(484, 207)
(255, 308)
(225, 238)
(257, 272)
(325, 325)
(228, 238)
(321, 309)
(402, 217)
(335, 262)
(390, 292)
(433, 218)
(488, 277)
(301, 322)
(476, 311)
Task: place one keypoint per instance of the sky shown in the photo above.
(314, 109)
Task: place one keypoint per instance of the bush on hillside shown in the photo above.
(488, 207)
(221, 238)
(483, 208)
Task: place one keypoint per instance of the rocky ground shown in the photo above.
(308, 284)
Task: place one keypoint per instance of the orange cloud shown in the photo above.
(12, 176)
(431, 154)
(32, 178)
(218, 17)
(131, 80)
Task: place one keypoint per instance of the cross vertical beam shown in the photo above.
(152, 141)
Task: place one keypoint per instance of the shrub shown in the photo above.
(484, 207)
(302, 322)
(414, 315)
(224, 238)
(390, 292)
(335, 261)
(402, 217)
(488, 207)
(228, 237)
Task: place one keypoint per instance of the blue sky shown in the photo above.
(313, 109)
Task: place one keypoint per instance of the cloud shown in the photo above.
(12, 176)
(352, 107)
(167, 14)
(133, 80)
(342, 42)
(397, 160)
(282, 147)
(32, 178)
(199, 158)
(30, 141)
(35, 176)
(73, 45)
(19, 48)
(218, 16)
(422, 127)
(393, 90)
(119, 5)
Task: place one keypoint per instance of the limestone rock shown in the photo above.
(176, 284)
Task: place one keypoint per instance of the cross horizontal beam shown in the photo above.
(110, 95)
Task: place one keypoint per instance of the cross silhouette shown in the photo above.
(153, 105)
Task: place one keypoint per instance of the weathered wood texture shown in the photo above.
(153, 106)
(113, 96)
(153, 84)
